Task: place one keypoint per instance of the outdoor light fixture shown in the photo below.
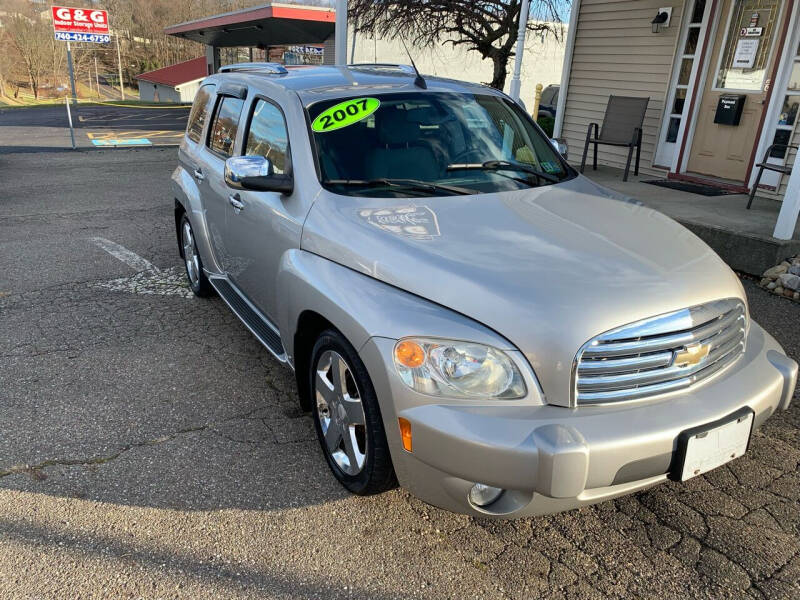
(661, 20)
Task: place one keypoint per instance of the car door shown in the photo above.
(262, 226)
(211, 166)
(190, 153)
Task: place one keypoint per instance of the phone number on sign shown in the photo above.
(82, 37)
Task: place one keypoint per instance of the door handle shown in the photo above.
(236, 203)
(198, 174)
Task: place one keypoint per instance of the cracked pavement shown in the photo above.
(150, 448)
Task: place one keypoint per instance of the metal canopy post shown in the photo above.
(523, 27)
(341, 33)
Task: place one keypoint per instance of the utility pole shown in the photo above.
(71, 75)
(97, 78)
(523, 27)
(119, 63)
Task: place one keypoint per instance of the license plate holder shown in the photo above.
(709, 446)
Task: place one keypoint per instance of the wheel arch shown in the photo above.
(316, 293)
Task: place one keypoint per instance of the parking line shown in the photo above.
(133, 260)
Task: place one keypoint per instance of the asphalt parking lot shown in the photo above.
(150, 448)
(46, 127)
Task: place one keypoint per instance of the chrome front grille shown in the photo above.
(662, 354)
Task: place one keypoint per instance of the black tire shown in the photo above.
(199, 285)
(377, 474)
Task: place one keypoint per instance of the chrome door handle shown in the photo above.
(235, 203)
(198, 174)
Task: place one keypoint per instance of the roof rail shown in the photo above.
(267, 67)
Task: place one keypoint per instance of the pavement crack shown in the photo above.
(106, 458)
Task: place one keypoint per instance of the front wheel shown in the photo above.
(347, 417)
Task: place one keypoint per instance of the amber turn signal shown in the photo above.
(409, 354)
(405, 433)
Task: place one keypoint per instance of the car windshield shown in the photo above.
(430, 144)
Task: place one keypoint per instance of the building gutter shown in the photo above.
(566, 68)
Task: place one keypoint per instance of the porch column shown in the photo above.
(787, 219)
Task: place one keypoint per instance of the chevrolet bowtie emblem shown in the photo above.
(691, 355)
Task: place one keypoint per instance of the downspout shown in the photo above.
(566, 68)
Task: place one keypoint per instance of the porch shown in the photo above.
(743, 238)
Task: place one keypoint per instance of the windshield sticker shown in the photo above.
(344, 114)
(418, 222)
(550, 167)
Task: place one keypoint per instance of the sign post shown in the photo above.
(71, 75)
(79, 25)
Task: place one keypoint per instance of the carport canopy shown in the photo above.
(271, 24)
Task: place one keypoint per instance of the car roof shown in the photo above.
(317, 83)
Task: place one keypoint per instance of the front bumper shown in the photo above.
(551, 458)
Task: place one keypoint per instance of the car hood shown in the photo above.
(547, 268)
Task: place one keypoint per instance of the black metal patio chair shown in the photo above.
(622, 126)
(785, 169)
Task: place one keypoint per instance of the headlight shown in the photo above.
(457, 369)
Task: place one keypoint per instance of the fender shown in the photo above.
(185, 191)
(362, 307)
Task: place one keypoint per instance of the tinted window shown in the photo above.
(267, 136)
(199, 113)
(226, 122)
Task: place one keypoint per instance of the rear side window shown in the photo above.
(226, 123)
(267, 136)
(199, 113)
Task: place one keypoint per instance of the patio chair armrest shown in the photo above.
(589, 131)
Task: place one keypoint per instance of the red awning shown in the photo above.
(177, 74)
(272, 24)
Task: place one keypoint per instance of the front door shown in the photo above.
(744, 52)
(265, 225)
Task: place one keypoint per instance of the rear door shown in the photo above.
(218, 148)
(268, 223)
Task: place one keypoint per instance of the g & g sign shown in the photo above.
(80, 20)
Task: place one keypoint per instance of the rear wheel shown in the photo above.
(191, 259)
(347, 417)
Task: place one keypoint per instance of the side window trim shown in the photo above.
(210, 103)
(251, 113)
(221, 95)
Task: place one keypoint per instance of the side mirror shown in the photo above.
(256, 173)
(561, 146)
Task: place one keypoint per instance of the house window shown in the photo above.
(788, 117)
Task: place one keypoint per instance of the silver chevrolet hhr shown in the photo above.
(464, 313)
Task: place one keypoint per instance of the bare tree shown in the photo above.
(489, 27)
(32, 40)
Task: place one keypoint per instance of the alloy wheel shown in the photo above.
(340, 412)
(190, 255)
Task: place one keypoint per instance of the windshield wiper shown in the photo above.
(407, 184)
(504, 165)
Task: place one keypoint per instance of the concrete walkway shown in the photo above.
(742, 237)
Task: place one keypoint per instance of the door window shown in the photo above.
(788, 116)
(267, 135)
(745, 56)
(226, 123)
(199, 113)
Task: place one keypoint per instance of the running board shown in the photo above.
(259, 325)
